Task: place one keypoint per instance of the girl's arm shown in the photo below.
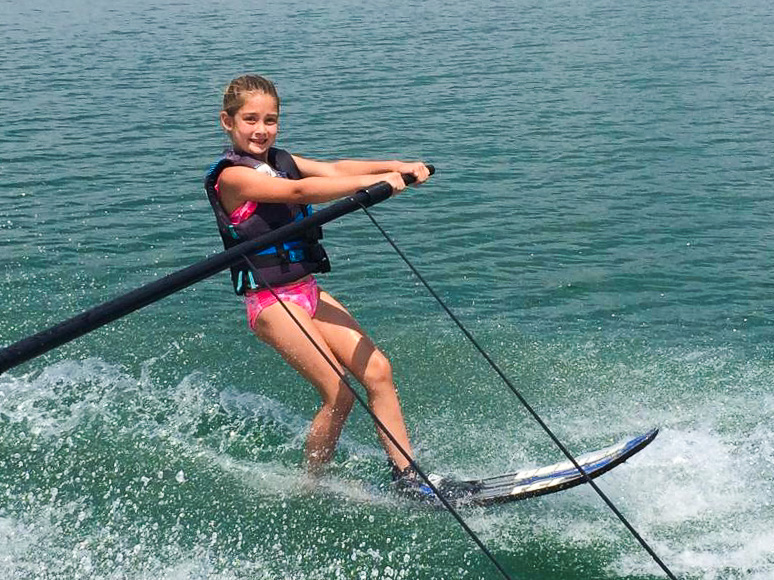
(321, 182)
(346, 167)
(238, 184)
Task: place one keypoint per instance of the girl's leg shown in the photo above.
(355, 350)
(274, 327)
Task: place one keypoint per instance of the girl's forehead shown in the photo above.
(259, 102)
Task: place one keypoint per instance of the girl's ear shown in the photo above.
(226, 121)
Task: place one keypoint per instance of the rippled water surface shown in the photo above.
(600, 220)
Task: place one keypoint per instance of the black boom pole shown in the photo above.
(46, 340)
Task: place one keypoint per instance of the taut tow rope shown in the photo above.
(523, 401)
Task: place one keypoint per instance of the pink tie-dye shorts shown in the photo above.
(304, 293)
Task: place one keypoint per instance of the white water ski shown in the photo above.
(532, 482)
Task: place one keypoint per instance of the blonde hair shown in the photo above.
(240, 88)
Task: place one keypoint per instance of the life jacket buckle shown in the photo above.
(296, 255)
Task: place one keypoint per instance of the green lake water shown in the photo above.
(600, 220)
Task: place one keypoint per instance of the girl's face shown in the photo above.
(253, 129)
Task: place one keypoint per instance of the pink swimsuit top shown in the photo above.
(248, 208)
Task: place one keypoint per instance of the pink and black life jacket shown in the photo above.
(279, 264)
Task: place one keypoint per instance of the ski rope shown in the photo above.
(524, 402)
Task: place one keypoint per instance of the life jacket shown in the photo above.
(279, 264)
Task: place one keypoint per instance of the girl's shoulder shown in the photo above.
(234, 158)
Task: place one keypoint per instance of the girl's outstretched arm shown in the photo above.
(347, 167)
(239, 184)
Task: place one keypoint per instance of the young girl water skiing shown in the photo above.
(255, 188)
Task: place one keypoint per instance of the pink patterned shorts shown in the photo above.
(304, 293)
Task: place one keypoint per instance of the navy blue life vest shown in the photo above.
(280, 264)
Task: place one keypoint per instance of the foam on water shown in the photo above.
(39, 548)
(92, 444)
(700, 494)
(696, 496)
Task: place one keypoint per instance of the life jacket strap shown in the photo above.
(289, 252)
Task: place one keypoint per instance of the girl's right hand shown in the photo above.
(395, 179)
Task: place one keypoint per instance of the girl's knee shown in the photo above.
(378, 373)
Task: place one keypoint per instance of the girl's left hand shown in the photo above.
(417, 169)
